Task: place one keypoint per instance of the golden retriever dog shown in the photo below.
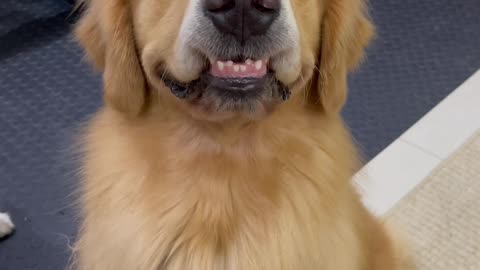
(220, 145)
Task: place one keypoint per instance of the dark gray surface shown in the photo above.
(425, 49)
(45, 92)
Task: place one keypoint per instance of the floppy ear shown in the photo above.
(106, 33)
(346, 31)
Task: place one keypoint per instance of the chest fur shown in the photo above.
(266, 206)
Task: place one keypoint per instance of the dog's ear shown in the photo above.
(105, 31)
(346, 31)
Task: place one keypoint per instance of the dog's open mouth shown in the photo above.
(246, 69)
(232, 86)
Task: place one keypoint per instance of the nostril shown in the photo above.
(266, 5)
(219, 5)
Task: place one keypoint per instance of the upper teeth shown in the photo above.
(258, 64)
(240, 67)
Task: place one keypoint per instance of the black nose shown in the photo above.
(242, 18)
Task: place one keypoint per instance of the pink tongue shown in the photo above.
(248, 69)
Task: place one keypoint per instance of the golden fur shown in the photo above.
(163, 190)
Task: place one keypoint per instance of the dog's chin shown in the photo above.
(220, 98)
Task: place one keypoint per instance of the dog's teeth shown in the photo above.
(249, 62)
(220, 65)
(236, 68)
(243, 68)
(229, 63)
(258, 64)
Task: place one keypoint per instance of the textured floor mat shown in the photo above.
(424, 50)
(442, 215)
(45, 92)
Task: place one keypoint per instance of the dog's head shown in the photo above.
(224, 58)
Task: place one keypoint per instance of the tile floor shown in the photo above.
(391, 175)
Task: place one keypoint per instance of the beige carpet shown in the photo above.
(442, 216)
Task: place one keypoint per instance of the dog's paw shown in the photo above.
(6, 225)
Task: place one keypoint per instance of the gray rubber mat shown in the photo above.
(424, 50)
(45, 91)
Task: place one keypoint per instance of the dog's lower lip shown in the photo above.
(233, 87)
